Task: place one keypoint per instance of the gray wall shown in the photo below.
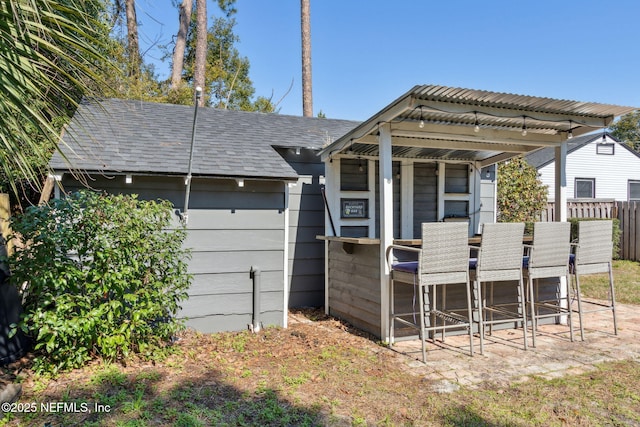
(230, 229)
(306, 221)
(354, 285)
(425, 195)
(488, 194)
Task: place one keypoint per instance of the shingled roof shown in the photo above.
(125, 136)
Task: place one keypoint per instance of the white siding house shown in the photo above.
(597, 167)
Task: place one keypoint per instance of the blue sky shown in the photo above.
(366, 53)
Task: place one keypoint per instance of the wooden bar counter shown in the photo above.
(353, 282)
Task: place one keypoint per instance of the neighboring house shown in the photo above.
(597, 168)
(255, 196)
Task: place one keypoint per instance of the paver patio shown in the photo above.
(504, 360)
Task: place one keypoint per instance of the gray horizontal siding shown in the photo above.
(456, 178)
(200, 305)
(229, 322)
(425, 195)
(230, 229)
(232, 283)
(306, 221)
(239, 261)
(354, 293)
(235, 219)
(227, 240)
(206, 193)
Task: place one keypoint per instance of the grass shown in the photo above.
(322, 373)
(626, 276)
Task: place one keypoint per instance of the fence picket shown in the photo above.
(628, 213)
(634, 232)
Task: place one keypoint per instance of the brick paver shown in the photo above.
(505, 360)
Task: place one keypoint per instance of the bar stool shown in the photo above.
(443, 260)
(593, 254)
(548, 257)
(500, 260)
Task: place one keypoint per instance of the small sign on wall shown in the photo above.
(354, 208)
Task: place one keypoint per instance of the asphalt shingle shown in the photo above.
(129, 136)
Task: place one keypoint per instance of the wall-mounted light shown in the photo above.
(240, 182)
(476, 127)
(570, 134)
(297, 151)
(360, 165)
(128, 179)
(524, 125)
(421, 125)
(350, 150)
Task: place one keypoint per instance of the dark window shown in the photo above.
(354, 231)
(585, 188)
(354, 175)
(634, 191)
(456, 178)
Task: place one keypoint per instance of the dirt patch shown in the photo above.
(318, 371)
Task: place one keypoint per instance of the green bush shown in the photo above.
(521, 195)
(103, 277)
(617, 232)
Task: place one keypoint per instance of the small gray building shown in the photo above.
(255, 197)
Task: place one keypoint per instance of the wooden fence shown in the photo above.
(627, 212)
(629, 216)
(604, 208)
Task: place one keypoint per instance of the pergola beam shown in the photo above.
(496, 159)
(466, 133)
(370, 126)
(450, 144)
(576, 119)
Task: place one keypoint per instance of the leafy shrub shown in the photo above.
(521, 195)
(104, 275)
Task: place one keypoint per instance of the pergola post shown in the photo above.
(560, 202)
(560, 208)
(386, 224)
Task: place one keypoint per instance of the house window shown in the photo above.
(585, 188)
(609, 149)
(634, 191)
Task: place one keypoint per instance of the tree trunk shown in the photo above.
(133, 46)
(181, 43)
(307, 98)
(201, 47)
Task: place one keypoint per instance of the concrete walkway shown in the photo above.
(449, 365)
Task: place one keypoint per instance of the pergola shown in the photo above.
(454, 124)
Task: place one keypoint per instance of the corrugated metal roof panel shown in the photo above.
(514, 101)
(501, 117)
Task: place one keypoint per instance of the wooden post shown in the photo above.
(47, 189)
(561, 182)
(386, 224)
(5, 214)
